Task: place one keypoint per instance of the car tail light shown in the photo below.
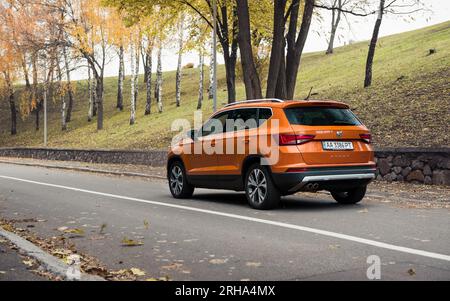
(366, 138)
(295, 139)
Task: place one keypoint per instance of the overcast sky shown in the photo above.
(356, 29)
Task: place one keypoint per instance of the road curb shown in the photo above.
(49, 262)
(87, 169)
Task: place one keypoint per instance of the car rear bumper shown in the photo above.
(338, 178)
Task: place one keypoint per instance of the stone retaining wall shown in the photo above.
(414, 165)
(151, 158)
(417, 165)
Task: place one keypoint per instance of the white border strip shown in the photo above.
(251, 219)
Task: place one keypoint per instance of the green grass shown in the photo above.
(407, 105)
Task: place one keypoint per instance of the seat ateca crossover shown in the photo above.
(273, 148)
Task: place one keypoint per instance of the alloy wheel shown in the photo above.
(257, 186)
(176, 180)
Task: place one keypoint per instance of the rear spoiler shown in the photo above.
(333, 104)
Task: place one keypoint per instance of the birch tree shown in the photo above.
(211, 69)
(201, 79)
(134, 61)
(70, 93)
(120, 78)
(91, 91)
(62, 97)
(159, 80)
(148, 66)
(179, 73)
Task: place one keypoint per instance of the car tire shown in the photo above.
(178, 184)
(350, 197)
(261, 192)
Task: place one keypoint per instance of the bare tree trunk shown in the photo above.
(99, 102)
(94, 95)
(35, 96)
(201, 80)
(148, 78)
(211, 69)
(281, 92)
(136, 73)
(251, 78)
(159, 80)
(62, 97)
(277, 53)
(296, 46)
(70, 90)
(335, 20)
(12, 103)
(120, 79)
(28, 88)
(91, 91)
(179, 66)
(133, 85)
(373, 45)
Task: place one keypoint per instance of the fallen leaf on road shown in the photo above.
(411, 272)
(102, 228)
(2, 241)
(131, 243)
(363, 211)
(75, 231)
(96, 270)
(29, 263)
(218, 261)
(137, 272)
(253, 264)
(173, 266)
(2, 272)
(62, 229)
(61, 252)
(8, 228)
(146, 224)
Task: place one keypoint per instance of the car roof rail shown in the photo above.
(254, 101)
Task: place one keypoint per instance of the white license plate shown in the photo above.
(337, 145)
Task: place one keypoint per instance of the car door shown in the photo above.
(236, 140)
(203, 159)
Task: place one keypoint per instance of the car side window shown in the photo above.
(215, 125)
(264, 115)
(243, 119)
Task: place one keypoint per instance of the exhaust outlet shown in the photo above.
(310, 186)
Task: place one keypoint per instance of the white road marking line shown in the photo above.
(252, 219)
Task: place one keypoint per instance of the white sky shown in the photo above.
(360, 30)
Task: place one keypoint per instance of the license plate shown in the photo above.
(337, 145)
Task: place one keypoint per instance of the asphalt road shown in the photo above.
(216, 236)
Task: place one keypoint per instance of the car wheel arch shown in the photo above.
(248, 162)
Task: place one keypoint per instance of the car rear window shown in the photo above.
(316, 116)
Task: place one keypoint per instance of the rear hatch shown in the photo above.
(335, 135)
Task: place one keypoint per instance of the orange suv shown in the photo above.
(272, 148)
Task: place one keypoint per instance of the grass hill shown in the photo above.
(408, 104)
